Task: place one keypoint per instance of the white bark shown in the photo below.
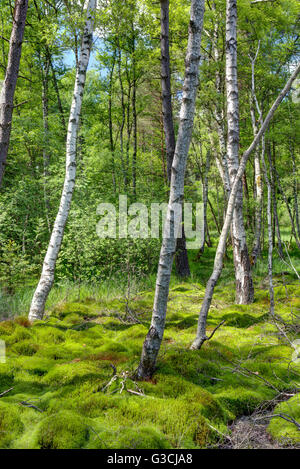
(243, 277)
(47, 277)
(154, 337)
(218, 264)
(219, 113)
(257, 170)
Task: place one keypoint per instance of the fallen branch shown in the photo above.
(5, 392)
(136, 393)
(286, 417)
(31, 406)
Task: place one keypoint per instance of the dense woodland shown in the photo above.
(141, 342)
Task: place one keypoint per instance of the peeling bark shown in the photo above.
(155, 335)
(243, 277)
(181, 258)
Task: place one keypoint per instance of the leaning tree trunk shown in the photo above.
(243, 277)
(181, 259)
(218, 264)
(10, 81)
(154, 337)
(47, 277)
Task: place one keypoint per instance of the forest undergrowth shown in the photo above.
(68, 381)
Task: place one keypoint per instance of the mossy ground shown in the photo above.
(58, 369)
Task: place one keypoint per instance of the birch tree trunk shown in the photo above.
(47, 277)
(181, 259)
(243, 277)
(270, 234)
(218, 264)
(10, 80)
(257, 170)
(258, 195)
(296, 208)
(154, 337)
(46, 156)
(219, 111)
(274, 200)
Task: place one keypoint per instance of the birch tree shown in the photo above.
(181, 259)
(47, 277)
(154, 337)
(257, 170)
(218, 263)
(10, 81)
(243, 277)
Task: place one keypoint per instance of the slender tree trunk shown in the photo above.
(205, 201)
(166, 86)
(218, 264)
(243, 277)
(154, 337)
(10, 80)
(46, 156)
(47, 277)
(59, 103)
(296, 207)
(274, 200)
(124, 169)
(111, 138)
(257, 171)
(294, 232)
(181, 258)
(270, 234)
(258, 195)
(134, 112)
(219, 111)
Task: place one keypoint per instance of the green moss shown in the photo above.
(64, 430)
(72, 373)
(49, 335)
(10, 424)
(7, 327)
(242, 320)
(6, 377)
(243, 401)
(26, 348)
(140, 438)
(80, 309)
(282, 430)
(63, 363)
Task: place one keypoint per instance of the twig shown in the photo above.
(27, 404)
(136, 393)
(286, 417)
(215, 330)
(5, 392)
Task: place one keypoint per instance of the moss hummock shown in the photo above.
(62, 365)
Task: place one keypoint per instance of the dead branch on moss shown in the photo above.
(31, 406)
(284, 416)
(5, 392)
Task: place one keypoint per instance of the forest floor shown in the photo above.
(69, 377)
